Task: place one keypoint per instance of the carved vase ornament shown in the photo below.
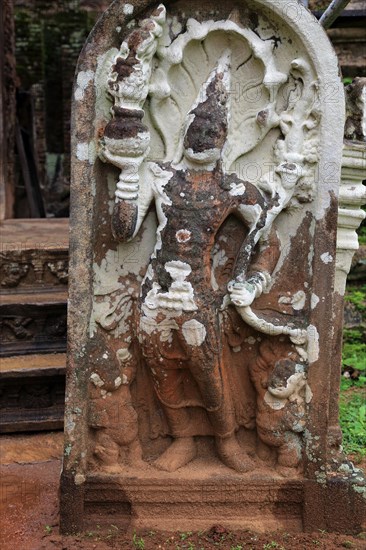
(204, 330)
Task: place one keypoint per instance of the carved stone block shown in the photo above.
(34, 256)
(33, 288)
(32, 326)
(32, 391)
(204, 322)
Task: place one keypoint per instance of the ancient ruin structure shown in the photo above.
(205, 311)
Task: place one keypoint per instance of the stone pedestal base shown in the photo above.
(236, 502)
(190, 504)
(335, 506)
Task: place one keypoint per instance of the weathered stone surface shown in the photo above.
(205, 317)
(7, 109)
(356, 108)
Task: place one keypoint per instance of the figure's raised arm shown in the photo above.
(126, 139)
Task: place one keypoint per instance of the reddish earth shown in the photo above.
(30, 468)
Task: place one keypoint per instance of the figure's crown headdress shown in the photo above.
(208, 119)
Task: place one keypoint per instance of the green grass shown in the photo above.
(352, 407)
(362, 235)
(354, 349)
(353, 423)
(357, 296)
(138, 542)
(362, 231)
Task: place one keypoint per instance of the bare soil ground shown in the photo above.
(30, 468)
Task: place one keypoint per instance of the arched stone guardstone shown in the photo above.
(146, 497)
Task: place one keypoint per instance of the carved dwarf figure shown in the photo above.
(111, 414)
(282, 393)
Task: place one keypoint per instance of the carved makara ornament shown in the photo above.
(212, 234)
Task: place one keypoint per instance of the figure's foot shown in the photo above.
(180, 452)
(111, 468)
(288, 462)
(107, 457)
(286, 471)
(232, 455)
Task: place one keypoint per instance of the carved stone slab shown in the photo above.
(205, 324)
(34, 255)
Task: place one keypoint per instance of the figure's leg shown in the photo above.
(267, 441)
(288, 444)
(168, 386)
(289, 453)
(264, 451)
(135, 454)
(107, 451)
(208, 374)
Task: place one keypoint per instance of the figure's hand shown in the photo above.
(106, 155)
(242, 294)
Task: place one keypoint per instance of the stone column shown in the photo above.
(341, 479)
(352, 195)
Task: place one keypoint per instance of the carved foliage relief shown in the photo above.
(200, 339)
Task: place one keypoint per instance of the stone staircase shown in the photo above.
(33, 308)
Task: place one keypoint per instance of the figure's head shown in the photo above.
(287, 378)
(207, 131)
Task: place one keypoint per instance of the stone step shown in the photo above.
(34, 255)
(33, 307)
(32, 392)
